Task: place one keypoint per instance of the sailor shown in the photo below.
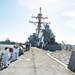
(65, 47)
(13, 54)
(17, 53)
(18, 49)
(6, 57)
(68, 47)
(30, 45)
(27, 45)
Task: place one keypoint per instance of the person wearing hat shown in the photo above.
(13, 54)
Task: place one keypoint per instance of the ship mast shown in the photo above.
(39, 17)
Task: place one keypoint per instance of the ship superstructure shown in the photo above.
(44, 37)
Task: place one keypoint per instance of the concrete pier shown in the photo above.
(35, 62)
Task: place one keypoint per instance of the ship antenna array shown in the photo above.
(40, 9)
(39, 17)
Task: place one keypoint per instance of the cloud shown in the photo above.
(70, 23)
(48, 5)
(69, 13)
(69, 26)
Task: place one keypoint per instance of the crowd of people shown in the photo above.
(12, 54)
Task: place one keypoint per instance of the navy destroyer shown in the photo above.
(44, 37)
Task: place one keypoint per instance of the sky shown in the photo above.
(16, 14)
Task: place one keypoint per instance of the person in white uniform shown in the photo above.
(17, 53)
(6, 57)
(68, 47)
(13, 54)
(18, 49)
(65, 47)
